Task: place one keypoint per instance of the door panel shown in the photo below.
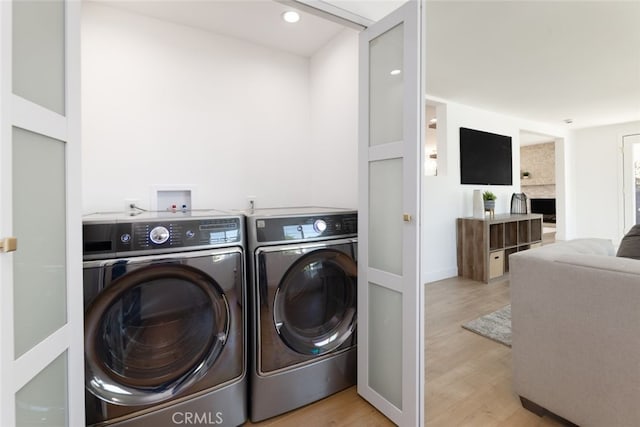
(44, 399)
(385, 70)
(385, 346)
(39, 52)
(385, 209)
(41, 347)
(40, 279)
(390, 293)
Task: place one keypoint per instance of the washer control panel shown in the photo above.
(157, 235)
(300, 228)
(138, 236)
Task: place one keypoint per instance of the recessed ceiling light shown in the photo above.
(395, 72)
(291, 16)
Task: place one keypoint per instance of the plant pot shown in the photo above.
(489, 204)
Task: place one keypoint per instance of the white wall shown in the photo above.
(596, 164)
(445, 199)
(334, 122)
(588, 182)
(165, 104)
(169, 105)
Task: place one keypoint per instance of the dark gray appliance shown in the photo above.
(303, 296)
(165, 320)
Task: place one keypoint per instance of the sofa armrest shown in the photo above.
(576, 334)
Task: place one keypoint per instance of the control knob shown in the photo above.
(159, 235)
(319, 225)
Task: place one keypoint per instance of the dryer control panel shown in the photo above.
(101, 240)
(301, 228)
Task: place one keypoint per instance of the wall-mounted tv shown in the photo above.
(485, 158)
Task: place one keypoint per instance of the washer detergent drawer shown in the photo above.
(306, 302)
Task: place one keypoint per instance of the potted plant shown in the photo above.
(489, 200)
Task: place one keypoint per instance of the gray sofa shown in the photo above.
(576, 332)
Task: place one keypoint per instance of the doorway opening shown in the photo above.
(631, 180)
(538, 179)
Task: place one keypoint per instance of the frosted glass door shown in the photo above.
(41, 277)
(39, 52)
(390, 349)
(39, 267)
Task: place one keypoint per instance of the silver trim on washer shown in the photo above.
(164, 256)
(319, 244)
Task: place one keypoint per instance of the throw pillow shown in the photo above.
(630, 244)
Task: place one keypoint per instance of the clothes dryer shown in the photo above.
(303, 293)
(165, 320)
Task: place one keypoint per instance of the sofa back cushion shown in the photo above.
(590, 246)
(630, 244)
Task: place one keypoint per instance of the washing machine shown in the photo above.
(165, 319)
(303, 297)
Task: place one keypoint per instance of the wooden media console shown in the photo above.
(484, 245)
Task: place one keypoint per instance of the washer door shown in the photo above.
(153, 332)
(314, 309)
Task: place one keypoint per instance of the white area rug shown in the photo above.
(495, 326)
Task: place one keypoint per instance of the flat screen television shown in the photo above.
(485, 158)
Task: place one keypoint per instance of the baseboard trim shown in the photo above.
(434, 276)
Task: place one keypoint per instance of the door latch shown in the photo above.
(8, 244)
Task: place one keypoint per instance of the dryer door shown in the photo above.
(312, 293)
(152, 332)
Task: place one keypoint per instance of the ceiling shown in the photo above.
(530, 138)
(255, 21)
(541, 60)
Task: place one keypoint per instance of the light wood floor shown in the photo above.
(468, 377)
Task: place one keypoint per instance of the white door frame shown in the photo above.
(628, 192)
